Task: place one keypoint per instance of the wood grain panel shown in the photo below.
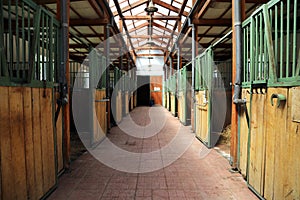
(275, 150)
(7, 171)
(17, 141)
(59, 138)
(100, 122)
(38, 164)
(257, 145)
(29, 144)
(243, 134)
(47, 139)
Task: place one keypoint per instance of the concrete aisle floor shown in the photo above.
(194, 175)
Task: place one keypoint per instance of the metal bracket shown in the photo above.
(280, 98)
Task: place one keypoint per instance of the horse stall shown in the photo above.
(173, 95)
(184, 95)
(213, 91)
(89, 102)
(31, 139)
(269, 120)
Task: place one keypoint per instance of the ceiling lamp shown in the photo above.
(151, 8)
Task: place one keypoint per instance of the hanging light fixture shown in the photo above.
(151, 8)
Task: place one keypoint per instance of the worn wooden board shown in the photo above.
(29, 145)
(243, 134)
(7, 171)
(202, 117)
(59, 138)
(257, 145)
(47, 139)
(38, 164)
(276, 137)
(100, 122)
(291, 151)
(17, 141)
(126, 103)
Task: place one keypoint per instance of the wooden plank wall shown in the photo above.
(118, 107)
(274, 166)
(126, 103)
(156, 81)
(173, 104)
(100, 121)
(243, 135)
(59, 138)
(201, 117)
(26, 142)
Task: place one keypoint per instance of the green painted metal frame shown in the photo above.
(270, 39)
(28, 45)
(268, 30)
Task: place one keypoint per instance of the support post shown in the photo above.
(107, 87)
(63, 15)
(237, 11)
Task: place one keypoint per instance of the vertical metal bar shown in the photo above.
(287, 39)
(276, 35)
(256, 36)
(23, 43)
(43, 47)
(294, 47)
(107, 59)
(252, 58)
(3, 67)
(17, 40)
(34, 46)
(261, 69)
(268, 34)
(51, 40)
(11, 48)
(281, 39)
(47, 42)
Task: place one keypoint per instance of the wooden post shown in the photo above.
(66, 108)
(234, 113)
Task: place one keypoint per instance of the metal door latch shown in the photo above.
(280, 97)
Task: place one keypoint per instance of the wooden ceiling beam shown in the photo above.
(132, 6)
(147, 17)
(212, 22)
(145, 55)
(148, 36)
(170, 7)
(88, 22)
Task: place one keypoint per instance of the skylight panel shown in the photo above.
(177, 5)
(137, 10)
(162, 9)
(160, 22)
(124, 4)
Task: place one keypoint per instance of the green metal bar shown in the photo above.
(35, 46)
(251, 49)
(244, 53)
(17, 40)
(287, 40)
(51, 39)
(3, 63)
(276, 34)
(43, 49)
(294, 39)
(268, 34)
(256, 49)
(281, 39)
(261, 64)
(23, 43)
(10, 39)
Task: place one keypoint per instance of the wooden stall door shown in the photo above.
(202, 117)
(27, 142)
(282, 148)
(257, 142)
(243, 133)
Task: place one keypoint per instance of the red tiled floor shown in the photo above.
(189, 177)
